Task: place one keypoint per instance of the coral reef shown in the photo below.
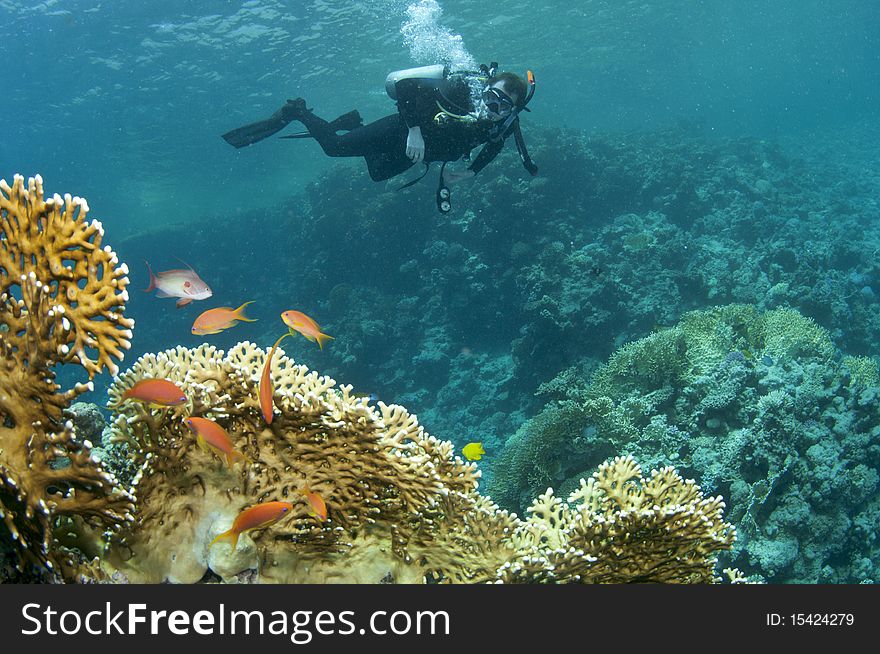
(757, 406)
(462, 317)
(402, 507)
(61, 301)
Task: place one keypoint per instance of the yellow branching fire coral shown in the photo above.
(402, 507)
(619, 527)
(374, 469)
(61, 301)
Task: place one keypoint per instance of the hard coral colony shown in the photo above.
(367, 494)
(62, 297)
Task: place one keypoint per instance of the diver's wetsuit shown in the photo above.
(383, 142)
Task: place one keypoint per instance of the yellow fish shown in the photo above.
(473, 451)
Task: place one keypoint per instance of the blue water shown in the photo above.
(138, 94)
(691, 154)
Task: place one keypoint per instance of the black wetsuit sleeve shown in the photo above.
(489, 152)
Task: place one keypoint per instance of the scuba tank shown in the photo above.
(437, 72)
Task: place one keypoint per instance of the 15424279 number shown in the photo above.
(822, 619)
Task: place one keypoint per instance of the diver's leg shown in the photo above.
(382, 143)
(383, 135)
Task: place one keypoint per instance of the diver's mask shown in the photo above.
(498, 104)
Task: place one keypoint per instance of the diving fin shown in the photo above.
(249, 134)
(345, 123)
(254, 132)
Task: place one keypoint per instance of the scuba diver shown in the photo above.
(441, 116)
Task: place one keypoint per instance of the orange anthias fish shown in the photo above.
(214, 321)
(301, 323)
(156, 393)
(267, 389)
(183, 284)
(209, 433)
(255, 517)
(317, 508)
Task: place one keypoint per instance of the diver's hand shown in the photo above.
(415, 144)
(451, 177)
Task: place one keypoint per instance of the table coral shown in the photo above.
(402, 507)
(61, 301)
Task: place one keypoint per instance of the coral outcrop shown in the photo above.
(62, 297)
(619, 527)
(469, 313)
(401, 506)
(757, 406)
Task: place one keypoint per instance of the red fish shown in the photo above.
(301, 323)
(317, 508)
(156, 393)
(183, 284)
(256, 517)
(209, 433)
(267, 390)
(214, 321)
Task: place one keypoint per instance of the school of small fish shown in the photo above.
(187, 286)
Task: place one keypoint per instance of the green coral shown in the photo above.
(655, 361)
(535, 455)
(735, 397)
(863, 370)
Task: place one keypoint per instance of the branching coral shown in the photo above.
(61, 301)
(374, 468)
(401, 506)
(621, 528)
